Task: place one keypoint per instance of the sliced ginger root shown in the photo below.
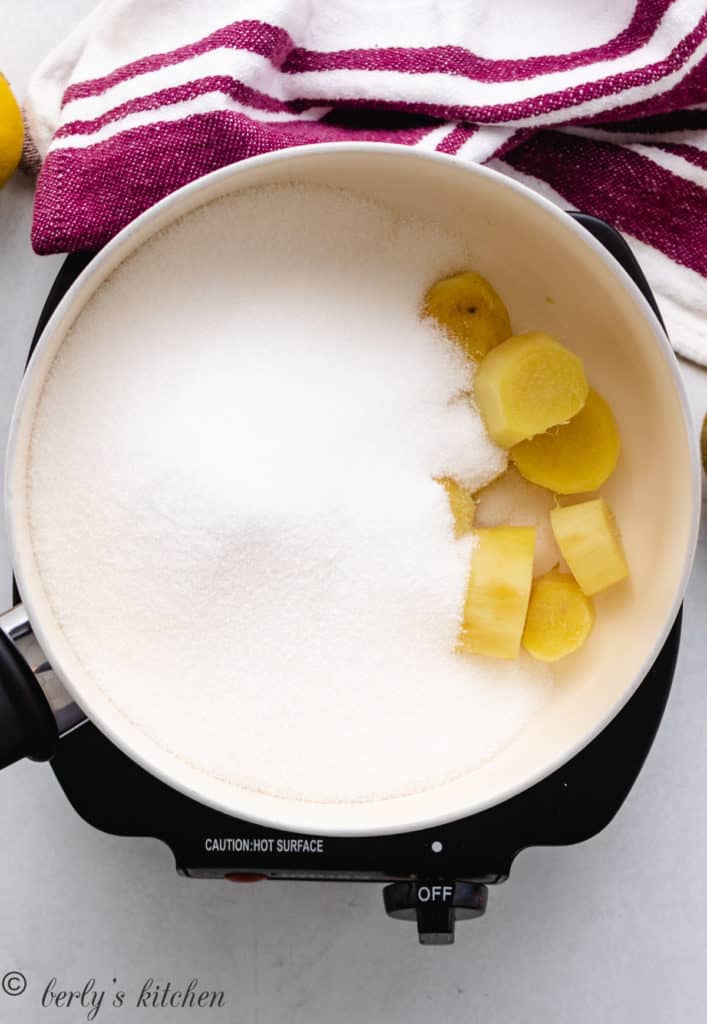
(589, 540)
(575, 457)
(470, 311)
(498, 591)
(526, 385)
(461, 504)
(512, 501)
(560, 617)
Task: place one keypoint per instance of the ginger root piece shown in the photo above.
(498, 591)
(526, 385)
(470, 311)
(462, 505)
(512, 501)
(589, 540)
(560, 617)
(575, 457)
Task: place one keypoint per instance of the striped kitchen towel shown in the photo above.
(600, 106)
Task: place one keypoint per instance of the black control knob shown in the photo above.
(435, 906)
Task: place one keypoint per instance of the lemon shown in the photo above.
(11, 132)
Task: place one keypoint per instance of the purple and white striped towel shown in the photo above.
(602, 106)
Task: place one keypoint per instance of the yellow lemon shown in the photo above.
(11, 132)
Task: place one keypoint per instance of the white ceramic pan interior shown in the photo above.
(529, 250)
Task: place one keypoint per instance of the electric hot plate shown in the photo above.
(435, 876)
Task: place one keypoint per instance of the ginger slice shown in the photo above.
(560, 617)
(498, 591)
(461, 504)
(470, 311)
(575, 457)
(526, 385)
(589, 540)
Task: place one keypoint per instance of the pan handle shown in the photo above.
(35, 710)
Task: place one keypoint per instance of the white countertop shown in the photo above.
(611, 930)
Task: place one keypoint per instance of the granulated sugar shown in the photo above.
(234, 509)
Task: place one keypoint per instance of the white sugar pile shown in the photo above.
(234, 509)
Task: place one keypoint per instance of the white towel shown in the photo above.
(602, 107)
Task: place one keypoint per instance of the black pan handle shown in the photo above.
(616, 244)
(29, 728)
(35, 709)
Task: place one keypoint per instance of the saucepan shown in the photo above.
(529, 248)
